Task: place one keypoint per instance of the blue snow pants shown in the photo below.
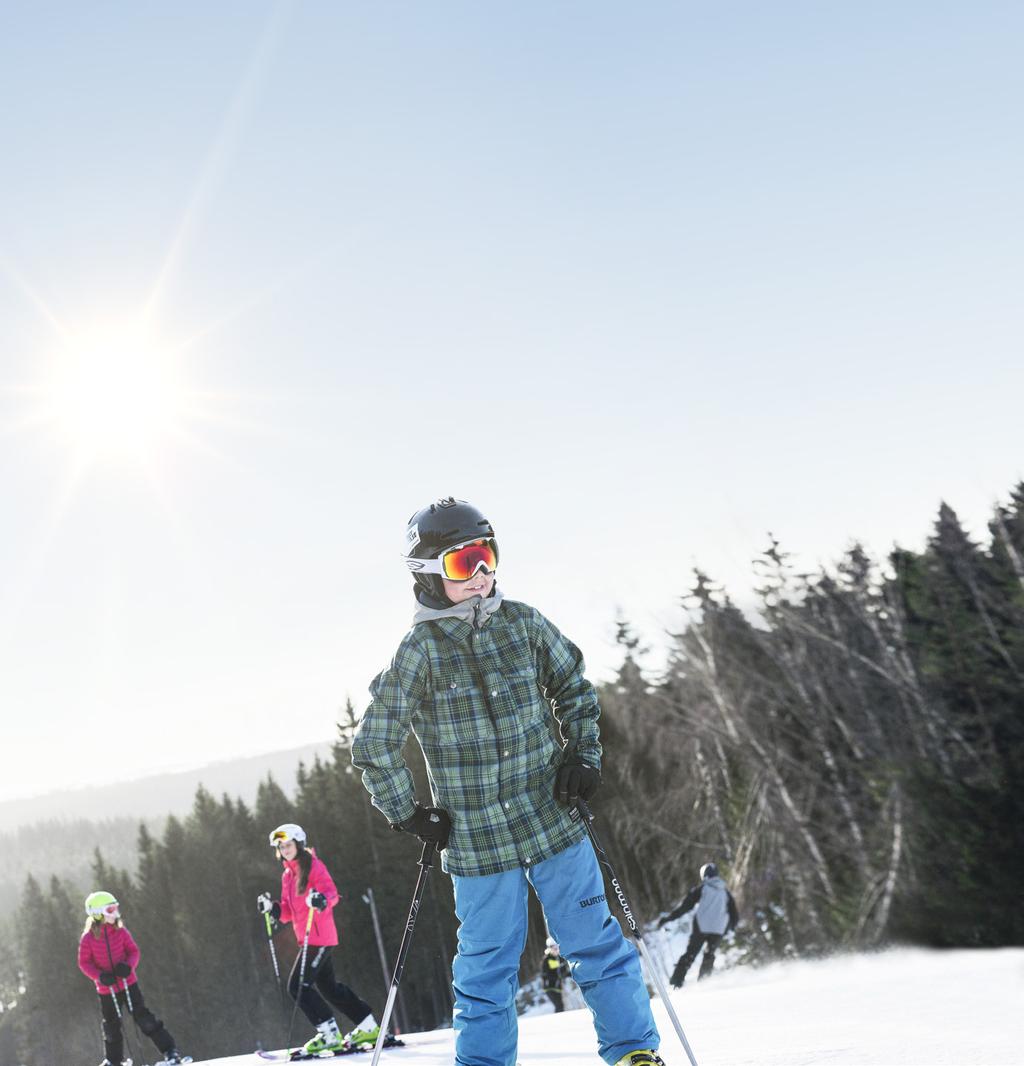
(492, 934)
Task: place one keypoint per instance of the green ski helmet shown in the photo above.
(97, 902)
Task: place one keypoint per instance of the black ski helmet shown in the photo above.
(442, 525)
(709, 869)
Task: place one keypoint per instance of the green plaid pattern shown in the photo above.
(480, 703)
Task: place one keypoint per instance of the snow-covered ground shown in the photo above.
(898, 1008)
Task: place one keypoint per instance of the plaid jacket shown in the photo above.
(479, 696)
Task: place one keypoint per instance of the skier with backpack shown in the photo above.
(716, 915)
(109, 957)
(477, 680)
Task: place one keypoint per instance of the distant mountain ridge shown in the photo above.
(162, 794)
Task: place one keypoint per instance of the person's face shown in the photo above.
(480, 584)
(289, 849)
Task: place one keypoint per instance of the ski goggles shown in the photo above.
(278, 837)
(461, 562)
(112, 910)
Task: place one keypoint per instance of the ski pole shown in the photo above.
(302, 973)
(426, 861)
(113, 996)
(273, 950)
(602, 857)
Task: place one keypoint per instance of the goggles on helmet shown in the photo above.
(283, 833)
(460, 562)
(100, 903)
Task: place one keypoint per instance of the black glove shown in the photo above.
(108, 978)
(122, 969)
(317, 900)
(576, 780)
(431, 824)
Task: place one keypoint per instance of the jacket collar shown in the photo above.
(476, 611)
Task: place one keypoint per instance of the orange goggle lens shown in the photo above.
(279, 837)
(461, 564)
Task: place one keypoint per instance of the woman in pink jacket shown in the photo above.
(109, 956)
(308, 898)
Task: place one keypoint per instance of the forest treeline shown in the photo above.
(851, 754)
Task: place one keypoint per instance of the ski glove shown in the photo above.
(122, 969)
(265, 905)
(317, 900)
(431, 824)
(108, 978)
(576, 781)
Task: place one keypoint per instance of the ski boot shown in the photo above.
(644, 1057)
(328, 1038)
(174, 1058)
(365, 1033)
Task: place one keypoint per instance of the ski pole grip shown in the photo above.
(309, 920)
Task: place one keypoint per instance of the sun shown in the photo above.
(115, 392)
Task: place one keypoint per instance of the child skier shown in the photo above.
(476, 679)
(716, 915)
(308, 897)
(109, 956)
(553, 972)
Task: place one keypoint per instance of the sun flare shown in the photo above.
(115, 393)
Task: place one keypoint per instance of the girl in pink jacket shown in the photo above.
(109, 956)
(308, 898)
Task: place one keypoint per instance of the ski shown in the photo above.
(298, 1055)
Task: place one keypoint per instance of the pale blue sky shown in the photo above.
(642, 280)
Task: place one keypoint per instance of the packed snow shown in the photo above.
(903, 1007)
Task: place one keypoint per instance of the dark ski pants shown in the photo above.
(555, 995)
(145, 1019)
(320, 984)
(698, 940)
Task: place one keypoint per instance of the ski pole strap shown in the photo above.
(605, 862)
(620, 894)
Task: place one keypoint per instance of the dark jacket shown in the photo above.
(553, 971)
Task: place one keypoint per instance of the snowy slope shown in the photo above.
(902, 1007)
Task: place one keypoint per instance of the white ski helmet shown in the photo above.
(552, 945)
(709, 869)
(289, 831)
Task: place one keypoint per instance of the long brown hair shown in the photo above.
(305, 861)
